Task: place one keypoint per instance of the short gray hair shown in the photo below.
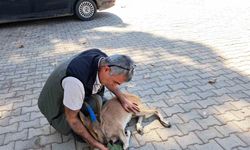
(120, 64)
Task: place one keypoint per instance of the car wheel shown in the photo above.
(85, 9)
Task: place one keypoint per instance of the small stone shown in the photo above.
(204, 113)
(146, 76)
(20, 46)
(130, 85)
(213, 81)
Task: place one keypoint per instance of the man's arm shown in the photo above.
(78, 128)
(126, 104)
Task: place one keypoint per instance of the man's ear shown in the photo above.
(107, 69)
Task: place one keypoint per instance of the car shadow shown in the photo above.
(103, 19)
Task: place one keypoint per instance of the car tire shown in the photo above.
(85, 9)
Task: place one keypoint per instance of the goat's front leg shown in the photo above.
(138, 125)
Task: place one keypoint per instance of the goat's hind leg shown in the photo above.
(164, 122)
(150, 112)
(138, 125)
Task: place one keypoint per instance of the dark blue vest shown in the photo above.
(50, 102)
(84, 67)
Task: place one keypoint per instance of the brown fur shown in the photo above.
(113, 120)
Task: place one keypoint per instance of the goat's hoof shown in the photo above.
(125, 148)
(141, 132)
(139, 129)
(166, 124)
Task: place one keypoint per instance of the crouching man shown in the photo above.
(80, 79)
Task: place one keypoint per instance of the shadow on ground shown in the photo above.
(170, 73)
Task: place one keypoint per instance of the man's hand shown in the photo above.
(126, 104)
(102, 147)
(129, 106)
(78, 128)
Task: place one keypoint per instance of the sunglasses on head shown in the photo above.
(128, 69)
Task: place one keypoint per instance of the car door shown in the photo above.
(14, 9)
(52, 7)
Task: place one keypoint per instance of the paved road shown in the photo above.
(179, 46)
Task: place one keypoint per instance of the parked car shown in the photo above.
(18, 10)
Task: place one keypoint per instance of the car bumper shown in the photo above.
(105, 4)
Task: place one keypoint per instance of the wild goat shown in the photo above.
(114, 119)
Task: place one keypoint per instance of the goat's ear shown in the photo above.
(96, 126)
(85, 120)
